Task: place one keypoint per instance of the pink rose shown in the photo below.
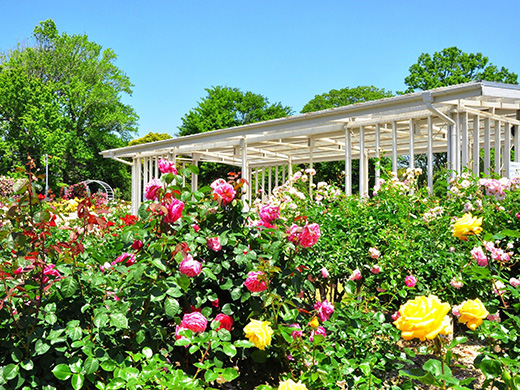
(195, 322)
(151, 189)
(226, 322)
(298, 333)
(324, 309)
(375, 269)
(456, 283)
(410, 281)
(190, 267)
(478, 254)
(215, 303)
(356, 275)
(396, 315)
(514, 282)
(196, 228)
(178, 330)
(456, 310)
(374, 253)
(166, 166)
(494, 317)
(310, 235)
(293, 233)
(269, 213)
(319, 330)
(174, 209)
(18, 271)
(324, 272)
(254, 281)
(213, 243)
(223, 192)
(129, 257)
(105, 266)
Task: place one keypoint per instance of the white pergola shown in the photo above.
(459, 120)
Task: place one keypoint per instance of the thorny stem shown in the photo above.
(202, 360)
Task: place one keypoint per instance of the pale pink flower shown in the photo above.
(452, 249)
(310, 235)
(456, 283)
(499, 288)
(105, 266)
(226, 322)
(396, 315)
(514, 282)
(494, 317)
(255, 282)
(324, 272)
(223, 192)
(174, 209)
(410, 281)
(195, 322)
(269, 213)
(293, 233)
(296, 334)
(310, 171)
(190, 267)
(166, 166)
(478, 254)
(151, 189)
(324, 310)
(320, 330)
(356, 275)
(213, 243)
(456, 310)
(374, 253)
(375, 269)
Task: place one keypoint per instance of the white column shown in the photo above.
(362, 184)
(311, 164)
(348, 163)
(506, 156)
(497, 148)
(290, 166)
(194, 177)
(487, 145)
(136, 185)
(516, 139)
(430, 154)
(246, 188)
(378, 154)
(457, 147)
(263, 184)
(453, 148)
(394, 147)
(476, 145)
(256, 180)
(411, 162)
(269, 181)
(464, 120)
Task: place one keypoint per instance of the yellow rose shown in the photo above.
(314, 322)
(472, 312)
(289, 384)
(424, 318)
(466, 225)
(259, 333)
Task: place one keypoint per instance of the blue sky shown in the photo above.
(288, 51)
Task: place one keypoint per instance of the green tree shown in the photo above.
(452, 66)
(225, 107)
(62, 97)
(345, 97)
(333, 172)
(150, 137)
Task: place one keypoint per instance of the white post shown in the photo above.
(506, 155)
(464, 120)
(394, 147)
(137, 188)
(487, 145)
(256, 181)
(263, 184)
(194, 177)
(290, 166)
(246, 188)
(348, 163)
(430, 154)
(411, 163)
(457, 143)
(378, 154)
(476, 145)
(311, 156)
(517, 138)
(362, 184)
(497, 148)
(269, 181)
(453, 148)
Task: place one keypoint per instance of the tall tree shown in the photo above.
(345, 97)
(150, 137)
(452, 66)
(62, 96)
(225, 107)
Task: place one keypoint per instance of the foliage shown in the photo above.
(345, 97)
(150, 137)
(62, 97)
(452, 66)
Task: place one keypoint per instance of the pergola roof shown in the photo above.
(277, 141)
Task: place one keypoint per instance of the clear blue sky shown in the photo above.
(288, 51)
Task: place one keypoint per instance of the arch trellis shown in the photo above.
(108, 190)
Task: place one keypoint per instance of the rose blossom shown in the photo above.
(320, 330)
(190, 267)
(174, 210)
(324, 272)
(150, 191)
(253, 283)
(324, 309)
(356, 275)
(374, 253)
(309, 235)
(213, 243)
(137, 245)
(375, 269)
(499, 287)
(269, 213)
(410, 281)
(478, 254)
(122, 257)
(514, 282)
(223, 192)
(166, 166)
(494, 317)
(396, 315)
(226, 322)
(195, 322)
(456, 283)
(295, 334)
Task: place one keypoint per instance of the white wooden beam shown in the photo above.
(506, 155)
(498, 161)
(378, 152)
(362, 168)
(476, 145)
(430, 155)
(348, 162)
(487, 146)
(394, 148)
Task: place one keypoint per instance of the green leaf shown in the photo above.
(90, 365)
(100, 320)
(68, 287)
(108, 365)
(229, 349)
(119, 321)
(10, 371)
(27, 364)
(62, 372)
(171, 307)
(230, 374)
(41, 347)
(77, 381)
(210, 376)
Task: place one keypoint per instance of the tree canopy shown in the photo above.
(225, 107)
(452, 66)
(62, 96)
(150, 137)
(345, 97)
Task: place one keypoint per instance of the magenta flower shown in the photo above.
(310, 235)
(129, 257)
(213, 243)
(226, 322)
(410, 281)
(298, 333)
(324, 272)
(324, 309)
(166, 166)
(174, 209)
(254, 281)
(151, 189)
(356, 275)
(195, 322)
(478, 254)
(190, 267)
(320, 330)
(396, 315)
(223, 192)
(269, 213)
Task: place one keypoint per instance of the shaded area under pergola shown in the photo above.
(459, 120)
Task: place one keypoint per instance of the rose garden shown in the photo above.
(301, 292)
